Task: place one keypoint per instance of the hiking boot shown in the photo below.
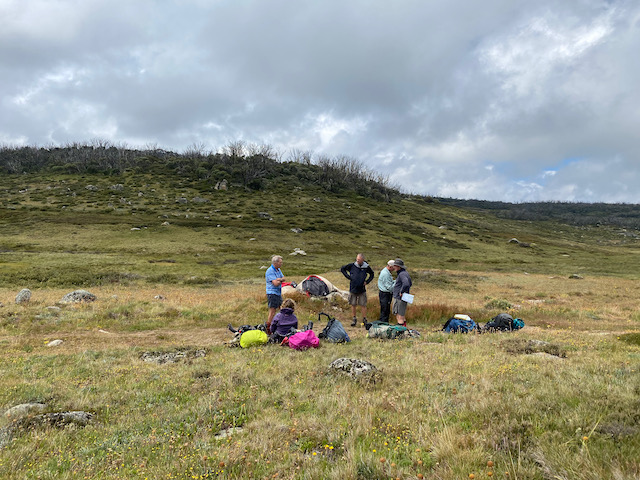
(232, 329)
(354, 322)
(364, 322)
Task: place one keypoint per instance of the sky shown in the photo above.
(509, 100)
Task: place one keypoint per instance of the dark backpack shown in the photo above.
(458, 325)
(314, 286)
(334, 332)
(503, 322)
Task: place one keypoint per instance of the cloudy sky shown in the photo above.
(496, 99)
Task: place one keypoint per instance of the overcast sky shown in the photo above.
(496, 99)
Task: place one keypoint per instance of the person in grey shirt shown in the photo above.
(402, 285)
(385, 290)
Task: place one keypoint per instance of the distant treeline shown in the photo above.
(623, 215)
(253, 166)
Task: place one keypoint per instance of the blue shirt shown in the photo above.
(271, 274)
(385, 281)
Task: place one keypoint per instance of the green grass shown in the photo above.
(446, 406)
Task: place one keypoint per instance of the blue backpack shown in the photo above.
(334, 332)
(458, 325)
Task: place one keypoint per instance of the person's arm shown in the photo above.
(345, 271)
(370, 275)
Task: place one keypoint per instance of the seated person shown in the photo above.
(283, 321)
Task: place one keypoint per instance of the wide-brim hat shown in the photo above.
(398, 263)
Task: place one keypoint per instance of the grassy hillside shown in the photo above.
(172, 260)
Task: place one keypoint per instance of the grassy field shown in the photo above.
(445, 406)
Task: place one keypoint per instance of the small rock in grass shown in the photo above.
(23, 296)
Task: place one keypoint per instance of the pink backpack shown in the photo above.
(304, 340)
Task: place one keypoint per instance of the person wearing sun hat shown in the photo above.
(385, 290)
(402, 285)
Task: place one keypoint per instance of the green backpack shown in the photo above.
(386, 331)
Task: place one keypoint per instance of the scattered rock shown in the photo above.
(182, 200)
(92, 188)
(522, 346)
(24, 409)
(23, 296)
(296, 230)
(57, 419)
(317, 199)
(575, 276)
(165, 224)
(360, 370)
(78, 296)
(297, 251)
(159, 297)
(54, 343)
(199, 200)
(221, 185)
(117, 187)
(265, 215)
(228, 432)
(172, 357)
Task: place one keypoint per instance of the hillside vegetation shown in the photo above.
(174, 247)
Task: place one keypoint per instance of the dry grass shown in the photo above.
(447, 404)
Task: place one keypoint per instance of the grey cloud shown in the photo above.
(446, 98)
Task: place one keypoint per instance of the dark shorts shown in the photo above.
(358, 299)
(399, 307)
(273, 300)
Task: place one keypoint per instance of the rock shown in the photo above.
(221, 185)
(181, 200)
(23, 296)
(296, 230)
(265, 215)
(165, 224)
(356, 369)
(514, 240)
(297, 251)
(92, 188)
(228, 432)
(54, 309)
(117, 187)
(172, 357)
(78, 296)
(24, 409)
(199, 200)
(159, 297)
(573, 276)
(317, 199)
(54, 343)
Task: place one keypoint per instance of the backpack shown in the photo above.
(502, 322)
(518, 323)
(334, 332)
(460, 325)
(384, 330)
(253, 338)
(303, 340)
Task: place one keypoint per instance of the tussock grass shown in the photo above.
(445, 406)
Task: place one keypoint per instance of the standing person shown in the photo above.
(385, 290)
(359, 274)
(274, 279)
(402, 285)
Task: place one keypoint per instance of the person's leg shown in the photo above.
(272, 313)
(353, 314)
(385, 306)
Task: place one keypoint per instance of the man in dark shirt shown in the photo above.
(359, 274)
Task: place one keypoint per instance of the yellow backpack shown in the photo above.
(252, 338)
